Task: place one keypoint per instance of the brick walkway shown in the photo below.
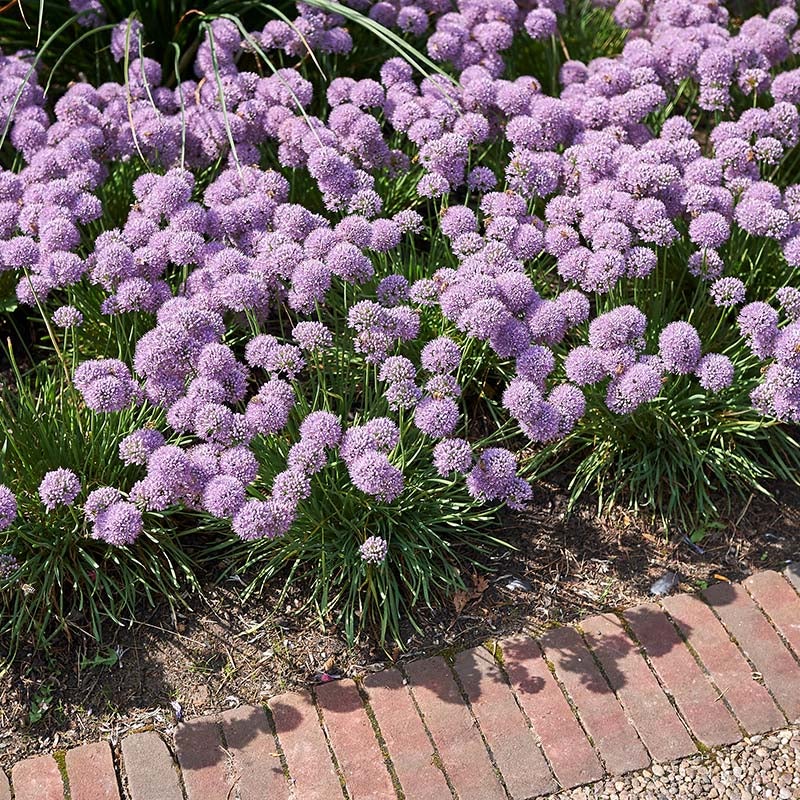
(606, 697)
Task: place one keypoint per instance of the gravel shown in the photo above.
(755, 768)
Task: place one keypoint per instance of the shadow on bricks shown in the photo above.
(574, 656)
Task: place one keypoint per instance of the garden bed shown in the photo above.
(228, 652)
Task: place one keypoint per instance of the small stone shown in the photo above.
(658, 770)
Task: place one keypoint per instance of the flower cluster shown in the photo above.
(597, 189)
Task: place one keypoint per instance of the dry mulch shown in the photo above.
(223, 652)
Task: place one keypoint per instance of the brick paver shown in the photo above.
(257, 769)
(37, 779)
(780, 602)
(412, 754)
(747, 698)
(91, 773)
(149, 768)
(198, 748)
(512, 742)
(466, 760)
(558, 712)
(793, 574)
(353, 740)
(311, 770)
(695, 696)
(602, 715)
(564, 743)
(659, 727)
(760, 643)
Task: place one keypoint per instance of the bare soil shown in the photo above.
(222, 652)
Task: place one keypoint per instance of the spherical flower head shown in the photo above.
(99, 500)
(259, 519)
(397, 369)
(8, 507)
(137, 447)
(67, 317)
(392, 291)
(374, 475)
(706, 264)
(679, 347)
(709, 229)
(291, 486)
(727, 292)
(59, 487)
(494, 475)
(585, 365)
(639, 384)
(307, 457)
(621, 326)
(374, 550)
(789, 298)
(441, 355)
(402, 394)
(535, 364)
(120, 524)
(436, 416)
(541, 23)
(758, 320)
(258, 349)
(240, 463)
(715, 372)
(452, 455)
(223, 496)
(568, 400)
(8, 566)
(322, 429)
(312, 335)
(522, 399)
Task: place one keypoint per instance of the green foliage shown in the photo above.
(68, 581)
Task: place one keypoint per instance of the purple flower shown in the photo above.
(789, 298)
(240, 463)
(374, 550)
(67, 317)
(452, 455)
(259, 519)
(441, 355)
(715, 372)
(8, 566)
(494, 475)
(119, 524)
(639, 384)
(709, 230)
(322, 429)
(137, 447)
(8, 507)
(392, 291)
(374, 475)
(99, 500)
(621, 326)
(570, 404)
(727, 292)
(679, 347)
(436, 416)
(59, 487)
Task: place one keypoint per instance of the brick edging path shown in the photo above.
(519, 719)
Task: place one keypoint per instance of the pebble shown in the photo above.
(763, 766)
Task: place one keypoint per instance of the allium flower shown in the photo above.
(494, 476)
(789, 298)
(223, 496)
(709, 230)
(259, 519)
(452, 455)
(59, 487)
(436, 417)
(441, 355)
(8, 566)
(119, 524)
(397, 369)
(312, 335)
(8, 507)
(99, 500)
(373, 474)
(621, 326)
(727, 292)
(392, 291)
(240, 463)
(679, 347)
(706, 264)
(291, 486)
(639, 384)
(67, 317)
(374, 550)
(568, 400)
(137, 447)
(715, 372)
